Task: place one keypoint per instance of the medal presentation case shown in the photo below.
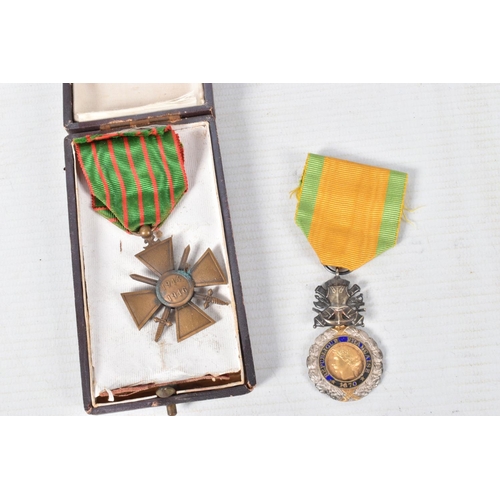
(160, 313)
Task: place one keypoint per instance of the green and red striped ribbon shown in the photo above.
(135, 177)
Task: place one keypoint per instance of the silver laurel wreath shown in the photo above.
(336, 392)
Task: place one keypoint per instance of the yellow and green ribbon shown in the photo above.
(135, 177)
(350, 213)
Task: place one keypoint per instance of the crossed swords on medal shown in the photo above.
(174, 289)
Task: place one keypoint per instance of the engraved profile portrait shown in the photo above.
(345, 362)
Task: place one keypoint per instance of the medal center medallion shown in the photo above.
(345, 362)
(175, 288)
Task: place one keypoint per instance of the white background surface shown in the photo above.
(431, 302)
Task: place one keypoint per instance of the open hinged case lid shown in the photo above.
(122, 367)
(94, 106)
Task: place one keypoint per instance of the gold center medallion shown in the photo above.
(345, 362)
(175, 289)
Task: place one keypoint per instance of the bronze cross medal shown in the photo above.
(174, 289)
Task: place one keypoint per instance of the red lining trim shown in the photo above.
(80, 161)
(167, 171)
(180, 154)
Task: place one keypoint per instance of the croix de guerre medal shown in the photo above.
(136, 178)
(350, 213)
